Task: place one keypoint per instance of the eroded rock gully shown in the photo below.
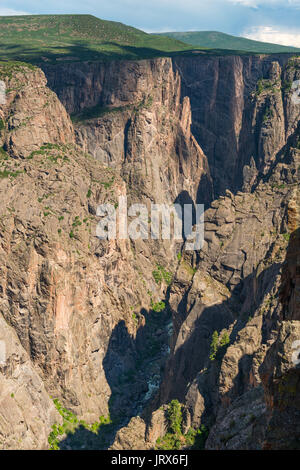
(82, 319)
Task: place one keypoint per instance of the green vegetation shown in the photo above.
(56, 158)
(278, 186)
(158, 306)
(293, 63)
(189, 269)
(265, 85)
(217, 40)
(96, 112)
(76, 222)
(7, 174)
(214, 346)
(161, 274)
(70, 425)
(51, 38)
(53, 153)
(108, 184)
(287, 86)
(218, 345)
(54, 38)
(3, 154)
(268, 114)
(175, 416)
(196, 438)
(286, 236)
(174, 438)
(10, 68)
(225, 340)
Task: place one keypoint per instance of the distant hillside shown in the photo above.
(216, 40)
(77, 37)
(52, 38)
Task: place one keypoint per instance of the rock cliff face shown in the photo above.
(145, 130)
(241, 105)
(122, 327)
(241, 109)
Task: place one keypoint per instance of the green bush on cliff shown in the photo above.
(287, 86)
(158, 306)
(6, 174)
(174, 438)
(70, 425)
(196, 438)
(268, 114)
(175, 416)
(3, 154)
(218, 345)
(225, 340)
(168, 442)
(160, 274)
(214, 346)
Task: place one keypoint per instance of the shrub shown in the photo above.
(174, 439)
(70, 424)
(168, 442)
(175, 416)
(286, 236)
(3, 154)
(224, 341)
(7, 173)
(214, 346)
(196, 438)
(161, 274)
(158, 307)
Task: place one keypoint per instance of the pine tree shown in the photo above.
(214, 346)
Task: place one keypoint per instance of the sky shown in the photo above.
(276, 21)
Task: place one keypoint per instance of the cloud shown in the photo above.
(267, 3)
(276, 36)
(11, 12)
(246, 3)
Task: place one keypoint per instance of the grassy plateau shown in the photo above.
(216, 40)
(40, 39)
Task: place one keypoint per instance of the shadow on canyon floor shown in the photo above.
(131, 363)
(202, 321)
(133, 368)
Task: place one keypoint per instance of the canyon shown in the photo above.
(120, 328)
